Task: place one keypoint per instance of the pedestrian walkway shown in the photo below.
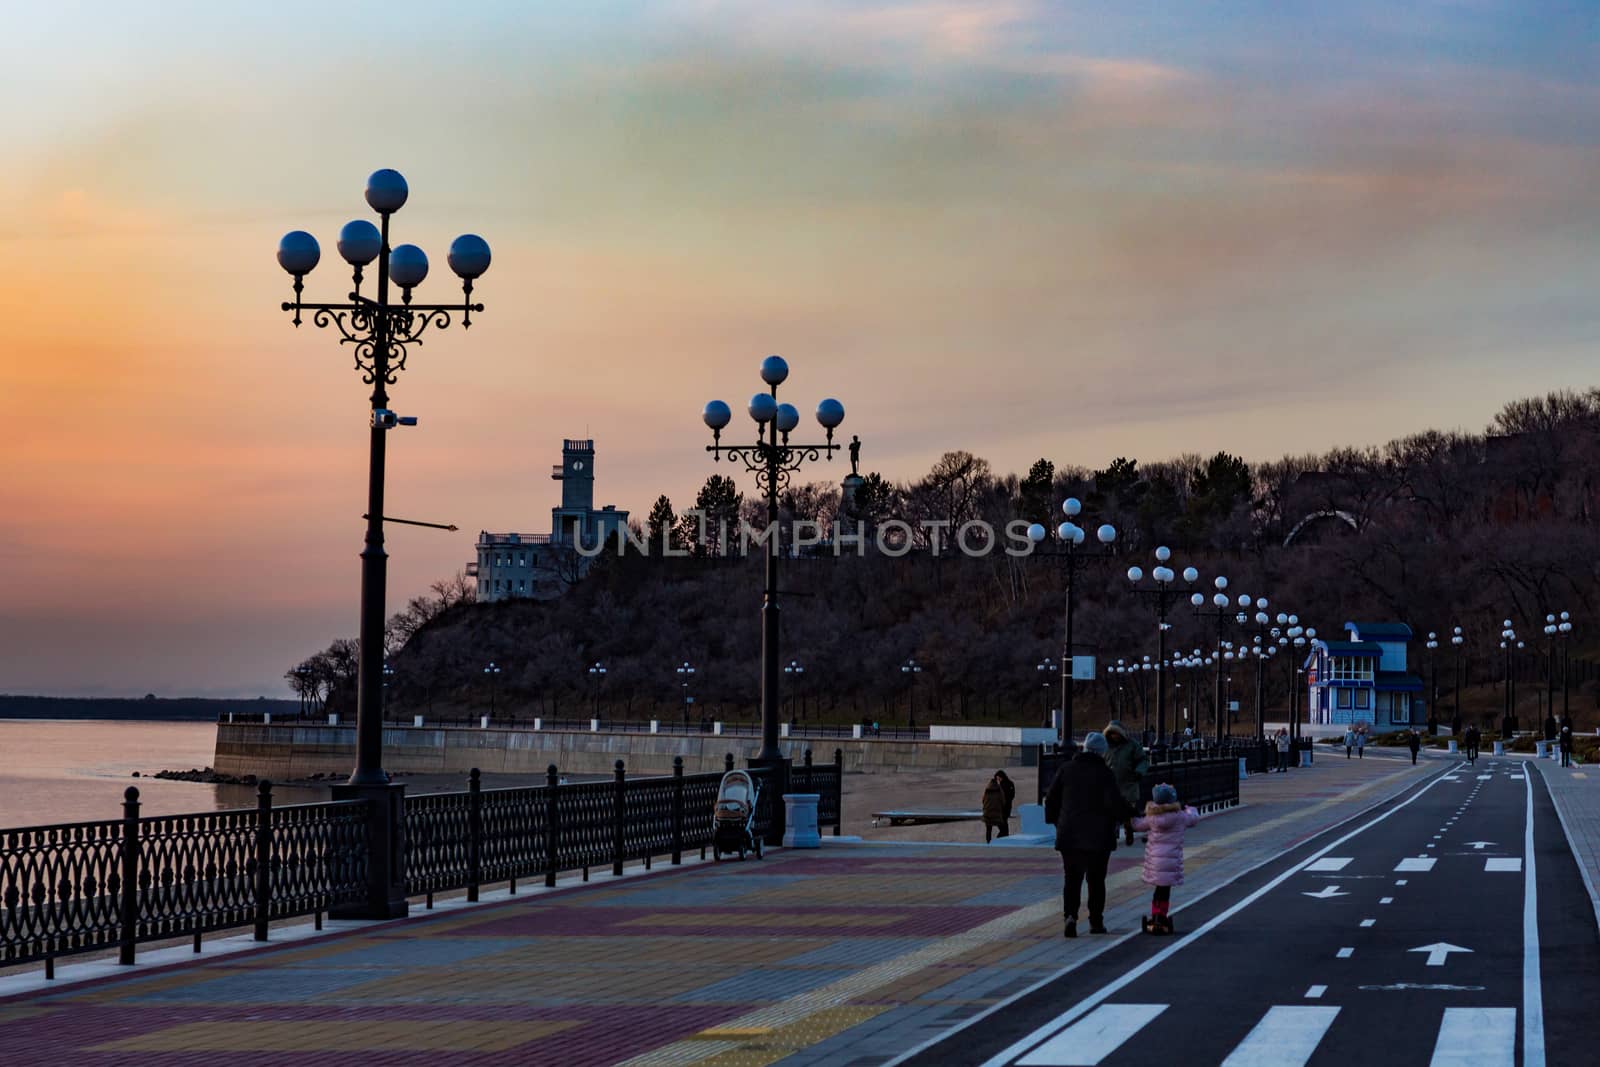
(1576, 793)
(847, 955)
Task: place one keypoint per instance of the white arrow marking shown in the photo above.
(1326, 892)
(1438, 951)
(1481, 845)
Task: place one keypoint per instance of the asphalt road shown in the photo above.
(1448, 927)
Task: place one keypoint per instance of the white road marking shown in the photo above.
(1285, 1037)
(1476, 1037)
(1346, 953)
(1093, 1037)
(1017, 1048)
(1432, 845)
(1315, 992)
(1399, 881)
(1386, 900)
(1481, 845)
(1325, 893)
(1512, 865)
(1416, 863)
(1332, 863)
(1438, 952)
(1532, 986)
(1519, 777)
(1368, 922)
(1483, 778)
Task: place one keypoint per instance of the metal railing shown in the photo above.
(466, 840)
(813, 731)
(1205, 783)
(78, 887)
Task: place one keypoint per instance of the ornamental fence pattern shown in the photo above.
(1207, 783)
(79, 887)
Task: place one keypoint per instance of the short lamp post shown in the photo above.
(1069, 541)
(1163, 595)
(1047, 669)
(597, 675)
(492, 672)
(1221, 612)
(911, 668)
(380, 334)
(795, 672)
(685, 675)
(772, 458)
(1456, 641)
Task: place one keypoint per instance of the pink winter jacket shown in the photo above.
(1164, 825)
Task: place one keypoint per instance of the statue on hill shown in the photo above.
(855, 454)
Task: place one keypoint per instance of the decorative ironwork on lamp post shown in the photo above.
(1163, 595)
(1069, 537)
(381, 334)
(772, 458)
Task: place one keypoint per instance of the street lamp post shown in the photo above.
(597, 674)
(1564, 634)
(685, 675)
(1221, 613)
(1163, 595)
(772, 459)
(1069, 537)
(380, 334)
(1509, 644)
(1456, 641)
(493, 671)
(911, 668)
(1433, 678)
(795, 671)
(1047, 667)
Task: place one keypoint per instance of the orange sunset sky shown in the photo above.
(1023, 229)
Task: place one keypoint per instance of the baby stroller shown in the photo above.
(733, 820)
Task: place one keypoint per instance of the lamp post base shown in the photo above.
(778, 781)
(386, 874)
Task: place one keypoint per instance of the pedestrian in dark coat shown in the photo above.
(1565, 740)
(1414, 743)
(1087, 809)
(1129, 764)
(997, 806)
(1472, 737)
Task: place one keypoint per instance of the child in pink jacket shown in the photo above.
(1163, 824)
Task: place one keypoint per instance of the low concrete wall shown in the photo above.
(281, 751)
(994, 735)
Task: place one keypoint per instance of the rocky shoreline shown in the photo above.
(210, 776)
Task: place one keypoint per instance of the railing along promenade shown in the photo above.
(808, 731)
(72, 888)
(1205, 778)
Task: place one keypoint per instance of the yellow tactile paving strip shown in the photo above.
(341, 1036)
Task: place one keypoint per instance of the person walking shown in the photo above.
(1564, 738)
(1163, 823)
(1472, 737)
(1129, 764)
(998, 793)
(1361, 744)
(1283, 750)
(1349, 741)
(1086, 807)
(1414, 743)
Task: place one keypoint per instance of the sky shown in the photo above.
(1018, 228)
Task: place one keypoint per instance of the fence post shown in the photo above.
(263, 857)
(727, 763)
(474, 832)
(619, 814)
(552, 831)
(677, 809)
(130, 875)
(808, 758)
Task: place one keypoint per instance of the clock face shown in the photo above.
(577, 464)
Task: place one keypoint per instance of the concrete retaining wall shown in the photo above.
(281, 751)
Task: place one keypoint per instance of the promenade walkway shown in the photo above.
(846, 955)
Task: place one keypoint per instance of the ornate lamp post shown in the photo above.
(1456, 641)
(1069, 539)
(911, 668)
(772, 459)
(685, 675)
(1564, 634)
(1255, 649)
(597, 675)
(1509, 644)
(1221, 613)
(493, 671)
(1163, 595)
(1432, 646)
(1047, 667)
(381, 334)
(795, 671)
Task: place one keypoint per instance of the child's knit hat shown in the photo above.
(1164, 794)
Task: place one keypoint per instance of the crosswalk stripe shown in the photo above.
(1285, 1037)
(1329, 863)
(1476, 1037)
(1093, 1037)
(1513, 864)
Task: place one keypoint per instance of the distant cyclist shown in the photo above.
(1471, 737)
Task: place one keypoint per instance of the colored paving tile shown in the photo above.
(845, 955)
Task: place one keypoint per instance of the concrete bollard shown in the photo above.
(1538, 750)
(1033, 819)
(594, 726)
(266, 718)
(655, 726)
(1499, 748)
(716, 728)
(1452, 748)
(416, 720)
(1243, 773)
(855, 731)
(333, 718)
(483, 722)
(538, 723)
(800, 820)
(783, 729)
(1305, 757)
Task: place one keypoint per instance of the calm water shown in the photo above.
(69, 771)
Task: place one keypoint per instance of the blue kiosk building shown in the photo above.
(1365, 679)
